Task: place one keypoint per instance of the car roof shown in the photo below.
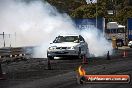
(70, 35)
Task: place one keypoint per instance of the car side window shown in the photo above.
(81, 38)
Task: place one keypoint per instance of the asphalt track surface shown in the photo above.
(34, 73)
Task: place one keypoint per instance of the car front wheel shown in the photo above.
(79, 53)
(50, 57)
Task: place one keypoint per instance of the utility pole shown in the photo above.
(15, 39)
(96, 16)
(10, 39)
(4, 38)
(95, 1)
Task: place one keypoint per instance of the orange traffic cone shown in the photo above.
(124, 53)
(85, 60)
(108, 56)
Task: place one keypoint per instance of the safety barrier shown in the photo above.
(12, 54)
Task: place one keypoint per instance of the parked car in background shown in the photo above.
(130, 44)
(68, 45)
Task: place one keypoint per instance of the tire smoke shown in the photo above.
(37, 23)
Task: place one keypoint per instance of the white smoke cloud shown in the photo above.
(98, 45)
(36, 24)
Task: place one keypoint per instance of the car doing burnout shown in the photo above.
(68, 45)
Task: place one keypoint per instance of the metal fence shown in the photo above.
(7, 40)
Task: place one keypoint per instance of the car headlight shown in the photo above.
(71, 47)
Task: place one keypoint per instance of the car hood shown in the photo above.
(64, 44)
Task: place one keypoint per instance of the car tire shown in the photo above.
(79, 53)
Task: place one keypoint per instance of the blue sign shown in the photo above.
(129, 22)
(89, 23)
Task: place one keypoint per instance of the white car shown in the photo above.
(68, 45)
(130, 44)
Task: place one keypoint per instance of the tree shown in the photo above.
(80, 9)
(66, 6)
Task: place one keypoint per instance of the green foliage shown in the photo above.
(89, 10)
(80, 9)
(66, 5)
(84, 11)
(123, 14)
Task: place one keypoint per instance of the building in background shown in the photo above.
(117, 31)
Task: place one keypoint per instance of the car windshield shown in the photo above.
(61, 39)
